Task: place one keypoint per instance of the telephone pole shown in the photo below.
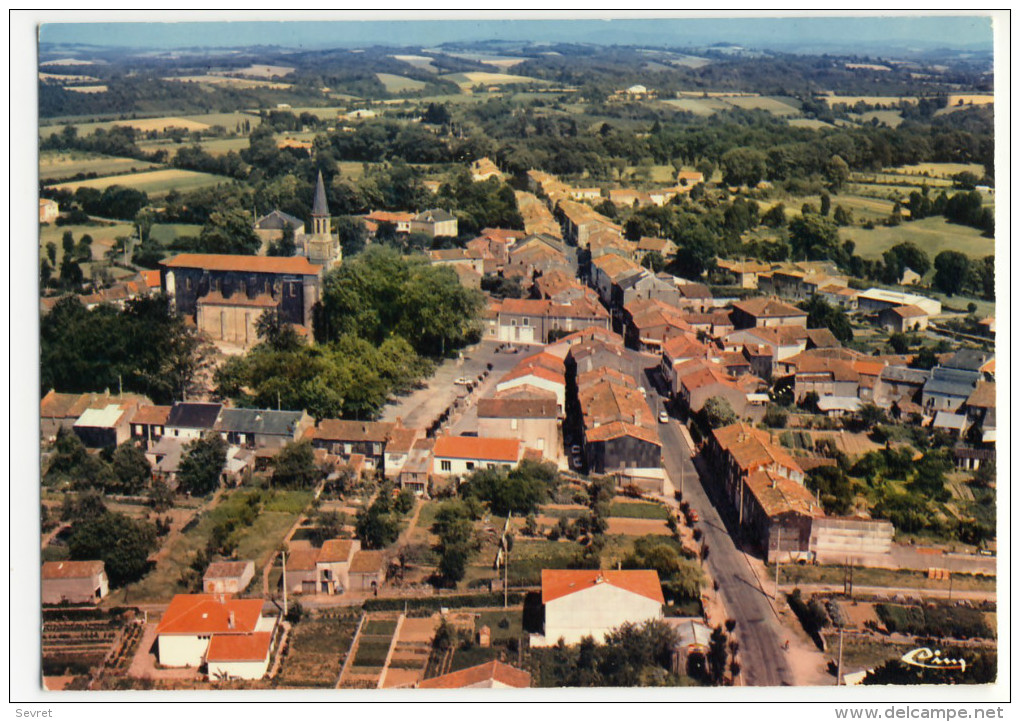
(283, 557)
(779, 543)
(839, 659)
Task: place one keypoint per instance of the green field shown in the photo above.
(776, 106)
(399, 84)
(57, 164)
(638, 510)
(166, 233)
(155, 183)
(699, 106)
(812, 123)
(892, 118)
(939, 170)
(783, 107)
(103, 239)
(933, 235)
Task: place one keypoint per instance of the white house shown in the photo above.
(583, 602)
(877, 299)
(192, 621)
(458, 455)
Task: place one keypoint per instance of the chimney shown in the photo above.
(230, 620)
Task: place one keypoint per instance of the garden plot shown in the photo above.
(316, 650)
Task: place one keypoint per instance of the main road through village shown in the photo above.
(758, 628)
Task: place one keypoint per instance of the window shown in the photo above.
(513, 321)
(525, 321)
(470, 466)
(513, 424)
(490, 467)
(445, 465)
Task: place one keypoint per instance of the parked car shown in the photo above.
(663, 417)
(462, 381)
(576, 461)
(575, 450)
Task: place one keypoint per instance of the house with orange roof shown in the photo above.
(561, 346)
(333, 565)
(580, 221)
(398, 446)
(678, 350)
(542, 371)
(530, 320)
(460, 455)
(537, 254)
(239, 656)
(583, 603)
(148, 424)
(401, 221)
(344, 438)
(901, 319)
(650, 322)
(619, 430)
(192, 621)
(762, 311)
(489, 675)
(483, 169)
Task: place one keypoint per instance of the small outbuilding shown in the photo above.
(231, 577)
(74, 582)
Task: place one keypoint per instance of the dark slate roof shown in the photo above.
(193, 415)
(968, 359)
(277, 221)
(259, 421)
(435, 215)
(632, 278)
(951, 382)
(319, 207)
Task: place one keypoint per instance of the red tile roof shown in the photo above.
(494, 671)
(341, 430)
(206, 614)
(558, 583)
(252, 647)
(151, 278)
(475, 447)
(247, 264)
(368, 562)
(762, 307)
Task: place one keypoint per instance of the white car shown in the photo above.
(575, 450)
(577, 462)
(462, 381)
(663, 417)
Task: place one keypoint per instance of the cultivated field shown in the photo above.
(161, 125)
(316, 650)
(938, 170)
(266, 72)
(884, 101)
(155, 183)
(398, 83)
(86, 88)
(57, 78)
(892, 118)
(933, 234)
(469, 80)
(56, 164)
(499, 61)
(812, 123)
(699, 106)
(422, 62)
(772, 105)
(222, 80)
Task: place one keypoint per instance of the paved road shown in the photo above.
(761, 637)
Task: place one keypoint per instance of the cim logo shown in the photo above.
(927, 659)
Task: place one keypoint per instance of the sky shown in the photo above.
(811, 34)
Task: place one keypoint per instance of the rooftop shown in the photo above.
(336, 550)
(763, 307)
(148, 414)
(259, 421)
(104, 418)
(194, 415)
(298, 265)
(72, 570)
(210, 613)
(477, 676)
(558, 583)
(341, 430)
(475, 447)
(368, 562)
(252, 647)
(226, 570)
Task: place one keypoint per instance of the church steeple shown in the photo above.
(320, 209)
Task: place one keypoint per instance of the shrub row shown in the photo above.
(436, 603)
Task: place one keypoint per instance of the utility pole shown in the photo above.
(779, 544)
(950, 573)
(283, 557)
(839, 660)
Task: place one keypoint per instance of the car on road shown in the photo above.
(575, 450)
(693, 516)
(663, 417)
(463, 381)
(642, 389)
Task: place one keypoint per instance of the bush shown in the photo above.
(437, 602)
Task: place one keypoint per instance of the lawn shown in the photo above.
(638, 510)
(55, 164)
(504, 625)
(155, 183)
(776, 106)
(870, 577)
(190, 122)
(699, 106)
(529, 557)
(933, 235)
(166, 233)
(399, 83)
(316, 651)
(892, 118)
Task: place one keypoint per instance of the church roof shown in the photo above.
(319, 207)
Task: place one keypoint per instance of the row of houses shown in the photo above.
(143, 284)
(433, 222)
(765, 485)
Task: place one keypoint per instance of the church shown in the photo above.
(225, 295)
(320, 246)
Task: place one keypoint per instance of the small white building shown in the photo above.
(593, 602)
(239, 656)
(229, 577)
(877, 299)
(460, 455)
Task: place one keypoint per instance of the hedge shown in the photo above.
(494, 599)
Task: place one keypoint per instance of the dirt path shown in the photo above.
(52, 535)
